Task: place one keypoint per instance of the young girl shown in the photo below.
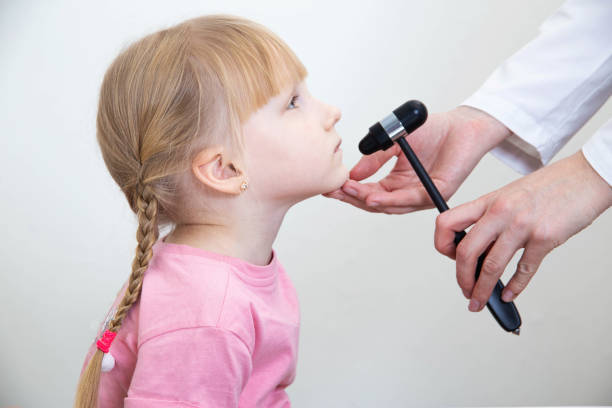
(209, 128)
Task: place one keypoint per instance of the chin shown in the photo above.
(331, 182)
(338, 179)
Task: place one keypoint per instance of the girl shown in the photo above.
(209, 128)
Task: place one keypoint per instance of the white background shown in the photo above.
(383, 320)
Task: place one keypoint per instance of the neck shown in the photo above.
(248, 236)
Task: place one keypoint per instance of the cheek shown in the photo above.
(287, 162)
(284, 148)
(271, 160)
(305, 153)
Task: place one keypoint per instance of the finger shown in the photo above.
(374, 194)
(337, 194)
(356, 202)
(397, 210)
(353, 189)
(410, 196)
(367, 193)
(358, 194)
(455, 220)
(475, 243)
(494, 265)
(359, 190)
(363, 191)
(369, 165)
(527, 266)
(330, 193)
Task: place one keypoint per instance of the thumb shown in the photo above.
(369, 165)
(455, 220)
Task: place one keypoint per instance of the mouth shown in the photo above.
(338, 146)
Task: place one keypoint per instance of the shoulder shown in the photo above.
(181, 291)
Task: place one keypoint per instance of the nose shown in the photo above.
(332, 117)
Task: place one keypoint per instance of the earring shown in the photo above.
(243, 186)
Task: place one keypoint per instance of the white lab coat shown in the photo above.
(546, 91)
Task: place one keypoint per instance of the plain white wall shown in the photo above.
(383, 320)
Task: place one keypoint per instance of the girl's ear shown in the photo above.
(213, 168)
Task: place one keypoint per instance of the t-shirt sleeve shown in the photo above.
(191, 367)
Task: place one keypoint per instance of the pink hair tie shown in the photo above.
(105, 342)
(108, 361)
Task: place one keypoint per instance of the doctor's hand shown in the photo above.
(537, 212)
(449, 145)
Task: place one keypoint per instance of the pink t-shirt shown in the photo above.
(208, 331)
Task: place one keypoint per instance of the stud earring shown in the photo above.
(243, 186)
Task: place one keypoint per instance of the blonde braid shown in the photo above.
(146, 235)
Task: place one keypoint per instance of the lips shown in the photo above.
(338, 145)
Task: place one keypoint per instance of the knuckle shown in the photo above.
(442, 222)
(521, 278)
(439, 222)
(524, 272)
(521, 221)
(463, 253)
(491, 266)
(439, 244)
(543, 236)
(501, 206)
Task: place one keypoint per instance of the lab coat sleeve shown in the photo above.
(598, 152)
(547, 90)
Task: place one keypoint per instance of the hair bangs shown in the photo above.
(263, 74)
(252, 63)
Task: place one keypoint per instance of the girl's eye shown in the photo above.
(292, 104)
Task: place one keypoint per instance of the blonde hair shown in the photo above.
(162, 100)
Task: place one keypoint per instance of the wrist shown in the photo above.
(487, 131)
(602, 191)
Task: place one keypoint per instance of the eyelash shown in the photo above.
(292, 102)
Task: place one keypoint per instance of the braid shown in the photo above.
(147, 234)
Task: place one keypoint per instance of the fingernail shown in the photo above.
(507, 295)
(466, 293)
(374, 204)
(350, 191)
(474, 305)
